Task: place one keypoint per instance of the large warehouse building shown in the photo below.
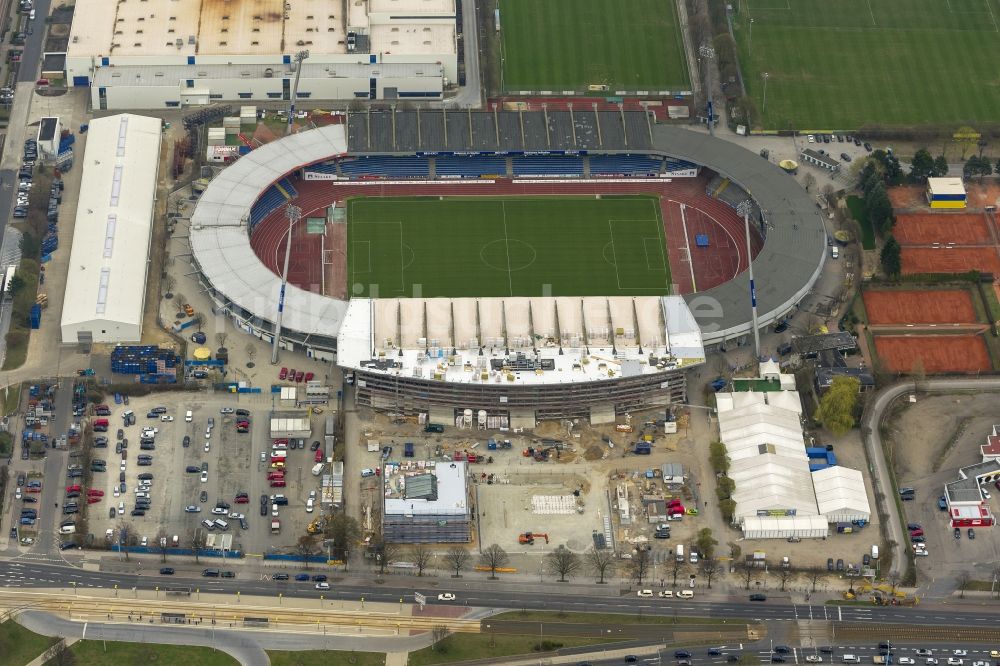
(106, 283)
(169, 53)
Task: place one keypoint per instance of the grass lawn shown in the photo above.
(859, 211)
(571, 44)
(12, 399)
(601, 618)
(510, 246)
(19, 646)
(459, 647)
(93, 653)
(325, 658)
(846, 64)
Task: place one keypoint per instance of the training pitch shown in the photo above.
(850, 63)
(507, 246)
(571, 44)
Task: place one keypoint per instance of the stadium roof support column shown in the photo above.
(649, 123)
(559, 333)
(496, 124)
(368, 126)
(572, 123)
(635, 323)
(597, 124)
(545, 115)
(621, 114)
(419, 140)
(444, 124)
(399, 324)
(393, 114)
(520, 122)
(472, 139)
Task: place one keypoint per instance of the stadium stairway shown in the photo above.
(432, 167)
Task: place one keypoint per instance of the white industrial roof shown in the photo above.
(106, 278)
(413, 39)
(175, 74)
(451, 490)
(220, 239)
(473, 340)
(413, 7)
(945, 186)
(804, 526)
(839, 488)
(763, 438)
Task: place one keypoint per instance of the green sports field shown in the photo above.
(570, 44)
(845, 64)
(510, 246)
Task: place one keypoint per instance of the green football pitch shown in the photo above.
(845, 64)
(571, 44)
(511, 246)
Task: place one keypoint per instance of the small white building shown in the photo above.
(49, 131)
(106, 280)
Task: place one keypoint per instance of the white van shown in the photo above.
(188, 416)
(310, 503)
(221, 524)
(874, 552)
(317, 469)
(67, 529)
(834, 251)
(694, 556)
(850, 659)
(209, 525)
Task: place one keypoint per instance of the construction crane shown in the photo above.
(529, 538)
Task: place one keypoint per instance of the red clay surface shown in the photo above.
(950, 260)
(952, 306)
(929, 228)
(936, 353)
(723, 260)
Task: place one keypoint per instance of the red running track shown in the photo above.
(724, 259)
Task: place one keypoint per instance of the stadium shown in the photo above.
(528, 264)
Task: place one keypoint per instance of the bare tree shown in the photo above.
(181, 299)
(747, 570)
(601, 562)
(305, 548)
(342, 532)
(808, 181)
(639, 565)
(963, 583)
(734, 551)
(125, 536)
(784, 574)
(893, 579)
(167, 284)
(386, 553)
(220, 339)
(438, 634)
(457, 558)
(814, 575)
(494, 557)
(563, 561)
(162, 543)
(677, 564)
(421, 555)
(199, 320)
(196, 538)
(251, 352)
(709, 569)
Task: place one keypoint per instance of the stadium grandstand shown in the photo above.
(545, 356)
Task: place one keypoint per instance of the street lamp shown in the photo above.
(763, 106)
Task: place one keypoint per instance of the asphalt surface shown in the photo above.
(30, 571)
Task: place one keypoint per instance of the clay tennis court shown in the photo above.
(937, 353)
(928, 228)
(950, 260)
(951, 306)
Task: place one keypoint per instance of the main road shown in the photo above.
(58, 574)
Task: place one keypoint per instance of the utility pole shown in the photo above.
(763, 106)
(299, 59)
(293, 213)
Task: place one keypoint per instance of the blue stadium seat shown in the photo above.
(288, 187)
(270, 201)
(626, 165)
(470, 167)
(547, 165)
(326, 167)
(392, 167)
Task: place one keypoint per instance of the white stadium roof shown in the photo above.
(220, 238)
(106, 281)
(477, 340)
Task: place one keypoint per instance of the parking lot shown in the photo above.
(179, 500)
(930, 440)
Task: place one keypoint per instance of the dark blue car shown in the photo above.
(302, 576)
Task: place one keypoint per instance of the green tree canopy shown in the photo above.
(922, 165)
(891, 262)
(940, 166)
(706, 543)
(836, 408)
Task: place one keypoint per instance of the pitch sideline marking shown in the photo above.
(665, 269)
